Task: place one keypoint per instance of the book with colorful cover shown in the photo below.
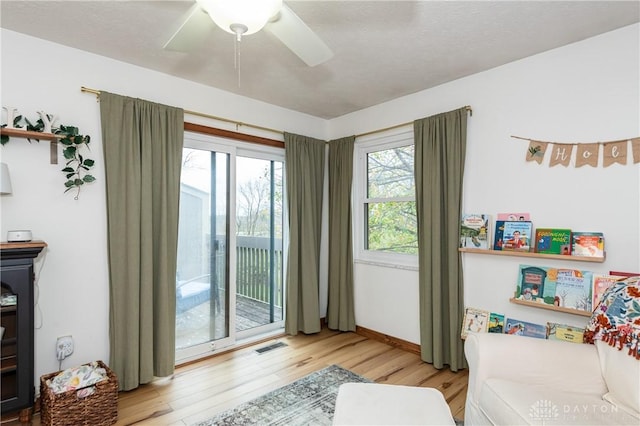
(600, 284)
(625, 274)
(564, 332)
(498, 238)
(513, 216)
(553, 241)
(517, 235)
(569, 288)
(573, 289)
(496, 323)
(531, 284)
(587, 244)
(475, 320)
(474, 231)
(522, 328)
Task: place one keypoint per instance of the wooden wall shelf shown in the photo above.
(29, 134)
(536, 255)
(550, 307)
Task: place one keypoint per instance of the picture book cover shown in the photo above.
(600, 284)
(474, 231)
(498, 238)
(624, 274)
(553, 241)
(531, 284)
(496, 323)
(587, 244)
(570, 288)
(475, 320)
(517, 235)
(513, 216)
(573, 289)
(567, 333)
(522, 328)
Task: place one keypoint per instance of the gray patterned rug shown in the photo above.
(307, 401)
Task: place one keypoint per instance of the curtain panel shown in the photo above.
(440, 146)
(304, 160)
(142, 143)
(340, 309)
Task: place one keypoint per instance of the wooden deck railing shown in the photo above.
(253, 269)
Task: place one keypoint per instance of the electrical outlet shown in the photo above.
(64, 347)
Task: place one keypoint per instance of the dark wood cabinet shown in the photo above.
(16, 317)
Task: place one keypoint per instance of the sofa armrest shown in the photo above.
(563, 366)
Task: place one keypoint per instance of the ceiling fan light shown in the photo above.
(253, 14)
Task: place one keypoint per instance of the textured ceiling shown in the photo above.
(383, 49)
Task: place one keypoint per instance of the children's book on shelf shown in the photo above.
(553, 241)
(564, 332)
(587, 244)
(600, 284)
(573, 289)
(517, 235)
(513, 216)
(531, 284)
(569, 288)
(523, 328)
(475, 320)
(474, 231)
(498, 238)
(624, 274)
(496, 323)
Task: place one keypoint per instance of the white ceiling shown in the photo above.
(383, 49)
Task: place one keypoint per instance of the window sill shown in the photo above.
(386, 264)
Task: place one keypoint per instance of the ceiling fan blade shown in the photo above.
(196, 25)
(297, 36)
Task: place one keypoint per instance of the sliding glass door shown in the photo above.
(259, 291)
(230, 245)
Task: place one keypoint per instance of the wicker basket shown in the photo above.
(97, 409)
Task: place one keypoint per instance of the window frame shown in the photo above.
(389, 140)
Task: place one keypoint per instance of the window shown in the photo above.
(386, 219)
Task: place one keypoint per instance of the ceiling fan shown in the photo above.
(245, 17)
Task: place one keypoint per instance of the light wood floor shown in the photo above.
(201, 389)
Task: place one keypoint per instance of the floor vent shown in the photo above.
(271, 347)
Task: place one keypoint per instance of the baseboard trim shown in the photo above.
(389, 340)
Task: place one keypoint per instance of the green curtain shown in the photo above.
(340, 310)
(304, 159)
(440, 145)
(142, 143)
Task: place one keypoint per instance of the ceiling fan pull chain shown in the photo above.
(238, 30)
(238, 59)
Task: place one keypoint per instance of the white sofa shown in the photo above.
(515, 380)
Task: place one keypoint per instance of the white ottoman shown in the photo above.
(378, 404)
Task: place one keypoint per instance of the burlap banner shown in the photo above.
(586, 154)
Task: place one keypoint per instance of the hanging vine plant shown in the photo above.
(78, 166)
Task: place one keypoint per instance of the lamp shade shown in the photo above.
(253, 14)
(5, 180)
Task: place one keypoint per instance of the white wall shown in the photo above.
(585, 92)
(73, 277)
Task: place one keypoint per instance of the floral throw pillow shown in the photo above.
(616, 320)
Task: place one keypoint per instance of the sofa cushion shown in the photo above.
(621, 373)
(515, 403)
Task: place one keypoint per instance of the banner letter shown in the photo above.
(561, 154)
(587, 154)
(615, 152)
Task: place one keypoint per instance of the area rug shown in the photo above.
(307, 401)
